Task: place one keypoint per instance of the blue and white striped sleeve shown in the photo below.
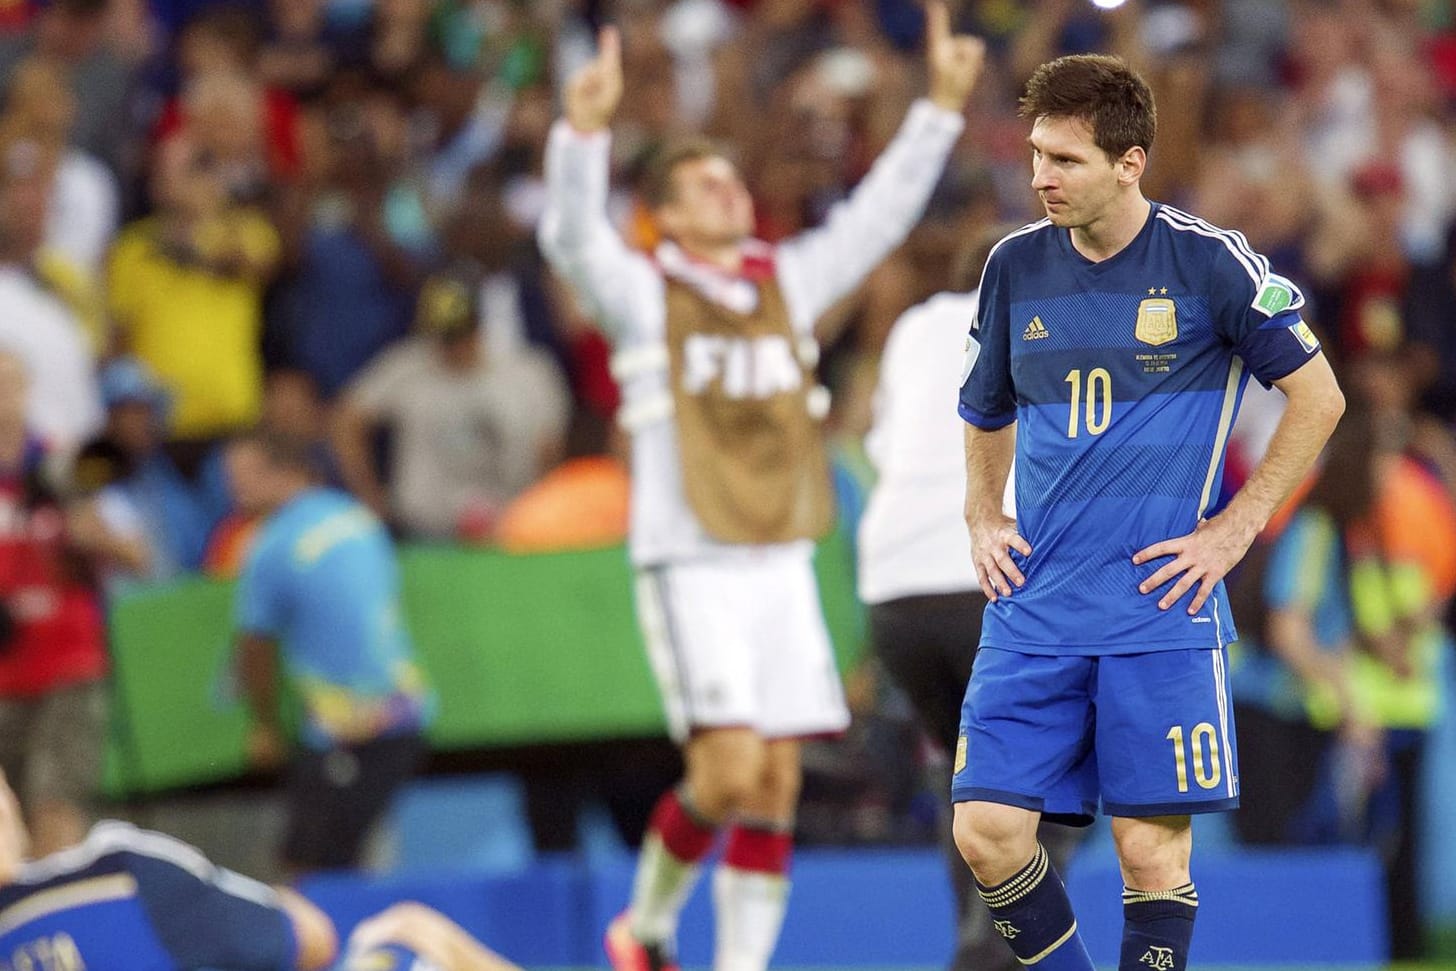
(1258, 312)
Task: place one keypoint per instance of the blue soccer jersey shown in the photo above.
(131, 900)
(1123, 378)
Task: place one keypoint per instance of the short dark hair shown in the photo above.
(287, 453)
(1103, 91)
(656, 185)
(232, 24)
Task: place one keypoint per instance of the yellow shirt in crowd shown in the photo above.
(199, 332)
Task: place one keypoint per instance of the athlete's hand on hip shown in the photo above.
(1203, 557)
(955, 61)
(992, 539)
(595, 90)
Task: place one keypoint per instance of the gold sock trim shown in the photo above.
(1020, 885)
(1185, 894)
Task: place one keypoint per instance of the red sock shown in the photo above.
(683, 835)
(759, 850)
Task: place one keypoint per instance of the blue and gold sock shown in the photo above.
(1157, 927)
(1033, 914)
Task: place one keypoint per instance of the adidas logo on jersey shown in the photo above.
(1035, 330)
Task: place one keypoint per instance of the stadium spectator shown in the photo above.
(353, 260)
(167, 504)
(319, 602)
(186, 288)
(299, 55)
(34, 322)
(394, 43)
(101, 75)
(84, 201)
(251, 130)
(472, 427)
(481, 238)
(52, 635)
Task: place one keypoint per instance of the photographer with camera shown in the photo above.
(52, 633)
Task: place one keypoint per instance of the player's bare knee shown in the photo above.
(1154, 854)
(995, 841)
(781, 780)
(722, 786)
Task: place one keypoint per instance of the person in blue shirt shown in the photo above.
(321, 589)
(1116, 336)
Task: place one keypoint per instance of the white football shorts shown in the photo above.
(740, 641)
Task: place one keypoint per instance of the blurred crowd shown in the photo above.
(316, 217)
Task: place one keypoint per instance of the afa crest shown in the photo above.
(1158, 958)
(1157, 321)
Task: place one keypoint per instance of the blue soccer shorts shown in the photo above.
(1141, 734)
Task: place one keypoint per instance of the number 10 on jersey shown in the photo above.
(1099, 401)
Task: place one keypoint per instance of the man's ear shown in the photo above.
(1131, 166)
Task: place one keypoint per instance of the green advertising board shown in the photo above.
(519, 649)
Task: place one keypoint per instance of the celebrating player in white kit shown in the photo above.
(714, 336)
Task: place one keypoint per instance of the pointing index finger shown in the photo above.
(937, 23)
(609, 44)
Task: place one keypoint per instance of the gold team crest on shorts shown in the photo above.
(1157, 321)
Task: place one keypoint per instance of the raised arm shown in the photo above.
(822, 265)
(575, 234)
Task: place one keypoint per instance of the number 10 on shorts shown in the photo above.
(1207, 773)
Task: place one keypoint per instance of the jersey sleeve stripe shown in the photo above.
(1024, 230)
(1236, 237)
(1220, 439)
(1250, 267)
(68, 896)
(117, 837)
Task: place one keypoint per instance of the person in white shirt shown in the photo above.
(714, 334)
(65, 403)
(915, 569)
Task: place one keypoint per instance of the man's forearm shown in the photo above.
(258, 675)
(349, 437)
(1309, 418)
(989, 456)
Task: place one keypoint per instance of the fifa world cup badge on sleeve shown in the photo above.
(960, 756)
(1305, 336)
(1157, 321)
(972, 349)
